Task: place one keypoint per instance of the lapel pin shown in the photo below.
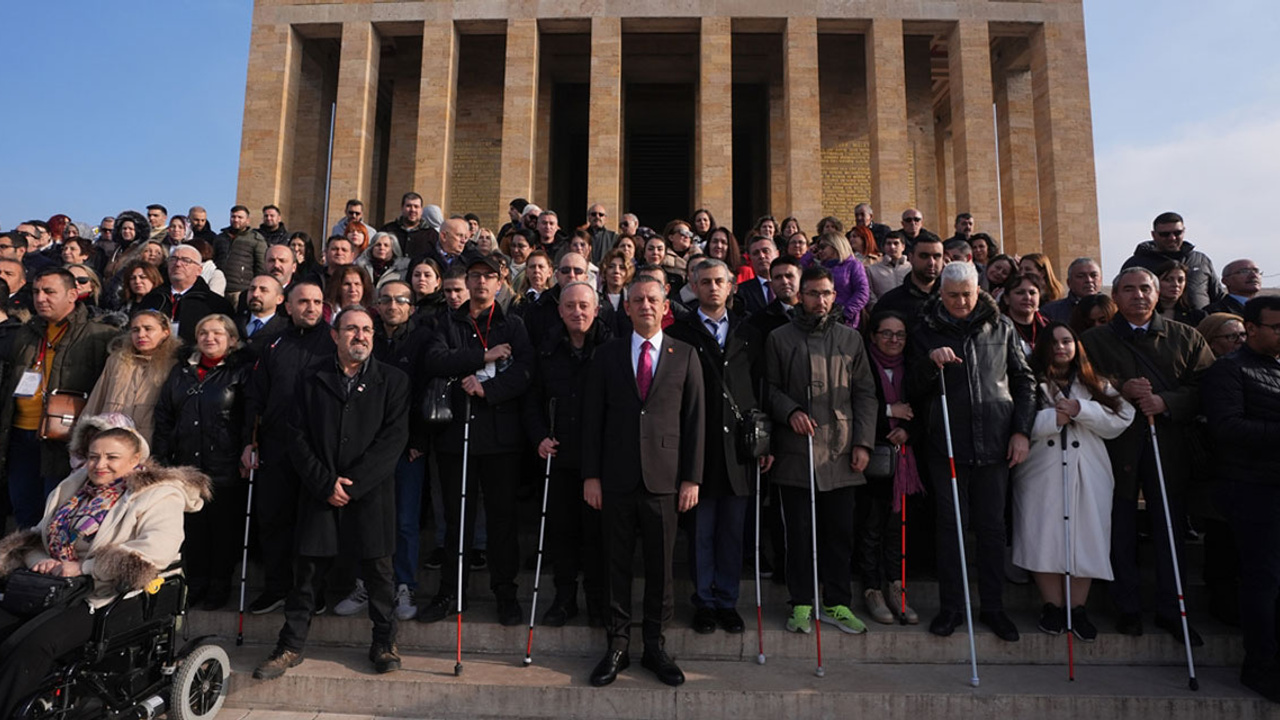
(360, 387)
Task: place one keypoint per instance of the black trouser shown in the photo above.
(499, 481)
(652, 518)
(275, 510)
(1254, 513)
(573, 539)
(22, 670)
(300, 605)
(982, 492)
(834, 509)
(879, 535)
(1126, 588)
(214, 537)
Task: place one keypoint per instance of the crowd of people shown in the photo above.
(430, 368)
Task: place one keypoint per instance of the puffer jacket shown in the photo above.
(1203, 285)
(240, 256)
(1240, 394)
(852, 289)
(198, 422)
(990, 395)
(130, 383)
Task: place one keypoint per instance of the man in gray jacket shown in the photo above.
(820, 386)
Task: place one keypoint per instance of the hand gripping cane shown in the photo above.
(542, 529)
(1173, 553)
(462, 521)
(955, 499)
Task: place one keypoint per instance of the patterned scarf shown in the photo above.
(906, 480)
(80, 517)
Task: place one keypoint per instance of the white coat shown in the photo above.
(1039, 533)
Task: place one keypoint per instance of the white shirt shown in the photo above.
(721, 326)
(636, 342)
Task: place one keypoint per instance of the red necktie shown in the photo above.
(644, 370)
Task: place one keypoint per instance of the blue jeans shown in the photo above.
(409, 479)
(27, 490)
(716, 551)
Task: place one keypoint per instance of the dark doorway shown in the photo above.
(658, 184)
(567, 179)
(750, 157)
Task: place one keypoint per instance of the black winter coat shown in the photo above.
(990, 395)
(194, 305)
(907, 299)
(1240, 395)
(269, 398)
(561, 373)
(406, 350)
(197, 423)
(357, 435)
(456, 351)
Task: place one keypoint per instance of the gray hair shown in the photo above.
(1115, 284)
(703, 263)
(632, 217)
(1080, 261)
(859, 206)
(578, 283)
(959, 273)
(646, 280)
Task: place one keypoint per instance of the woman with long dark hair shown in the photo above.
(1077, 412)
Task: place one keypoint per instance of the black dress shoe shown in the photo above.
(1174, 627)
(1000, 624)
(1129, 624)
(560, 613)
(509, 613)
(730, 620)
(606, 671)
(440, 607)
(704, 621)
(661, 664)
(946, 622)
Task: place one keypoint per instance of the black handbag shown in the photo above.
(883, 464)
(28, 593)
(436, 408)
(752, 430)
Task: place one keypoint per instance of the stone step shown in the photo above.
(341, 680)
(882, 643)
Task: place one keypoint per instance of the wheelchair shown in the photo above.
(136, 665)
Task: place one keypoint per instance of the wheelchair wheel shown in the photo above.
(200, 686)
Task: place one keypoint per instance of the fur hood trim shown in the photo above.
(79, 444)
(126, 569)
(197, 486)
(15, 546)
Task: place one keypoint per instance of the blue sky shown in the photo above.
(116, 104)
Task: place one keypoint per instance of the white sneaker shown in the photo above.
(355, 602)
(406, 609)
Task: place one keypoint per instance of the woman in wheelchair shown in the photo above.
(118, 521)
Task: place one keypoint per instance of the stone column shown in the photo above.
(354, 125)
(403, 139)
(604, 141)
(270, 110)
(519, 109)
(801, 111)
(437, 104)
(779, 198)
(713, 163)
(1019, 197)
(887, 118)
(1064, 142)
(973, 131)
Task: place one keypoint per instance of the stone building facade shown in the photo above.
(658, 107)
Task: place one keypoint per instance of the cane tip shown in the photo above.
(820, 672)
(974, 682)
(528, 661)
(1195, 684)
(457, 670)
(760, 659)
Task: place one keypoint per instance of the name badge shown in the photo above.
(29, 384)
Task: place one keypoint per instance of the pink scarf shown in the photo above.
(906, 480)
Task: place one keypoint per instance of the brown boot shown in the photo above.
(893, 597)
(385, 658)
(277, 663)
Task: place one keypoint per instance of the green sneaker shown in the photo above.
(800, 620)
(842, 617)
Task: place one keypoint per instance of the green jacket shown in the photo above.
(79, 360)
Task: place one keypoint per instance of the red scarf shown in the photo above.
(207, 364)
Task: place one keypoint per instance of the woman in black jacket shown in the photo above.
(197, 423)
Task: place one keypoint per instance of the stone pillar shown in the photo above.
(887, 117)
(270, 110)
(1064, 142)
(801, 109)
(973, 131)
(403, 140)
(437, 104)
(944, 170)
(713, 163)
(604, 141)
(779, 197)
(1016, 135)
(354, 126)
(921, 125)
(519, 110)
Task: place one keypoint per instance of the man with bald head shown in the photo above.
(544, 314)
(262, 320)
(602, 238)
(455, 239)
(186, 299)
(913, 227)
(1243, 280)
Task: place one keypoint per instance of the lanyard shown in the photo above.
(484, 339)
(47, 345)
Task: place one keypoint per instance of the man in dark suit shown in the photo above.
(753, 295)
(644, 402)
(263, 318)
(186, 299)
(349, 425)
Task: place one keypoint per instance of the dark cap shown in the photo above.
(471, 258)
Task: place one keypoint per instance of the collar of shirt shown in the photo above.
(636, 342)
(263, 320)
(722, 325)
(1144, 327)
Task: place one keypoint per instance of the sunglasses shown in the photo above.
(1170, 233)
(82, 280)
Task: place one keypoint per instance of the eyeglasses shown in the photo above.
(176, 260)
(482, 276)
(1246, 271)
(82, 280)
(892, 334)
(396, 299)
(1236, 337)
(1170, 233)
(573, 271)
(819, 294)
